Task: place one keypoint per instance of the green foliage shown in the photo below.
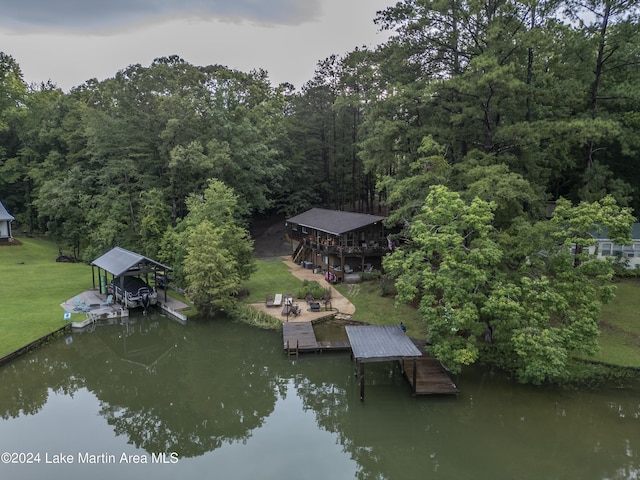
(528, 311)
(447, 267)
(212, 248)
(247, 314)
(312, 287)
(507, 104)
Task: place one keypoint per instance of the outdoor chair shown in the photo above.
(269, 301)
(80, 305)
(109, 301)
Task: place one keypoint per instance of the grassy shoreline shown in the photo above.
(33, 285)
(620, 324)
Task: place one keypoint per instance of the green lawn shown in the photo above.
(372, 308)
(33, 285)
(273, 276)
(620, 326)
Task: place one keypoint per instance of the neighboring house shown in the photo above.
(628, 254)
(338, 242)
(5, 224)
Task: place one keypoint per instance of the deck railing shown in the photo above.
(361, 251)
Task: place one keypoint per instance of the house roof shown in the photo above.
(4, 215)
(378, 343)
(604, 233)
(335, 222)
(119, 260)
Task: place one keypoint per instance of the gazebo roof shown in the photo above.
(118, 261)
(335, 222)
(4, 215)
(380, 343)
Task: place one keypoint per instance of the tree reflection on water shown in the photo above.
(197, 388)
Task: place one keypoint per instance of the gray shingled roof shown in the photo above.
(4, 215)
(377, 343)
(604, 233)
(334, 222)
(119, 260)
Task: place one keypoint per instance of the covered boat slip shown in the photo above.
(121, 263)
(383, 343)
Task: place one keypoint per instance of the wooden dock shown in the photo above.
(430, 377)
(299, 337)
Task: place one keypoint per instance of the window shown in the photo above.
(605, 249)
(350, 239)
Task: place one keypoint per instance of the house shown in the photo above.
(5, 225)
(629, 254)
(337, 242)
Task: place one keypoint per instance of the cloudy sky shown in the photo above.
(70, 41)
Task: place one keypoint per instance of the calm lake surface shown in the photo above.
(221, 400)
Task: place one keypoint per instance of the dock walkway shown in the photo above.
(299, 337)
(430, 377)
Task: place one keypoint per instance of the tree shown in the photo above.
(213, 249)
(446, 267)
(526, 299)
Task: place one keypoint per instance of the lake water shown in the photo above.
(221, 400)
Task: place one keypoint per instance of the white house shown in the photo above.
(5, 224)
(630, 254)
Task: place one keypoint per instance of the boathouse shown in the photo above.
(384, 343)
(338, 243)
(121, 263)
(5, 224)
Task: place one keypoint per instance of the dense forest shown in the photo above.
(474, 116)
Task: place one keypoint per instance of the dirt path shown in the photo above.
(269, 238)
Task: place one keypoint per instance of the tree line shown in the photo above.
(496, 109)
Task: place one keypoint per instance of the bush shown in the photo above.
(388, 287)
(370, 276)
(247, 314)
(312, 287)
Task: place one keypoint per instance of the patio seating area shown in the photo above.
(329, 305)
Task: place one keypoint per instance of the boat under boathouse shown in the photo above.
(127, 268)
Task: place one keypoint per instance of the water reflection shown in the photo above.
(224, 397)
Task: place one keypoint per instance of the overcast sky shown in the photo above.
(70, 41)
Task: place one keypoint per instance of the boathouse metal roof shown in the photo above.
(380, 343)
(335, 222)
(118, 261)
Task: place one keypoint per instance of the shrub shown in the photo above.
(312, 287)
(370, 276)
(247, 314)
